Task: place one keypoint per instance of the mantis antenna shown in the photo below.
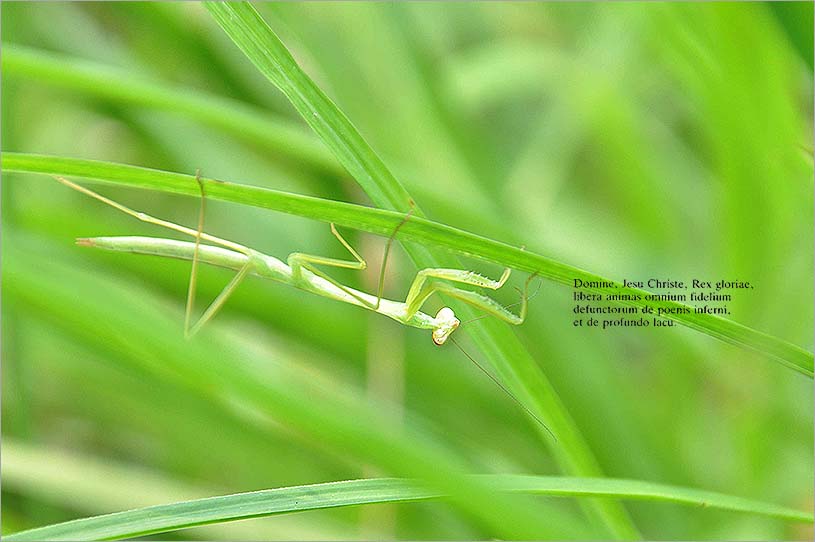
(503, 388)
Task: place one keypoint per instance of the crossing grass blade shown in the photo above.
(382, 222)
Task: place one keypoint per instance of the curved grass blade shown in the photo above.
(106, 82)
(382, 222)
(171, 517)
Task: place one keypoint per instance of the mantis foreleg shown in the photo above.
(424, 286)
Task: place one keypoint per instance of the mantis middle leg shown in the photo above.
(299, 261)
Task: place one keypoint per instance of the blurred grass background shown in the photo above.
(634, 140)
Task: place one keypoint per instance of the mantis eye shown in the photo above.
(448, 323)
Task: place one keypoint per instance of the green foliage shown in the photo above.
(666, 149)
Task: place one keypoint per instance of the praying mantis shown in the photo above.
(300, 270)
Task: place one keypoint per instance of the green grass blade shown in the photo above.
(249, 123)
(382, 222)
(170, 517)
(501, 347)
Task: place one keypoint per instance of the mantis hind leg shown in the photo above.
(194, 270)
(144, 217)
(427, 283)
(220, 300)
(199, 235)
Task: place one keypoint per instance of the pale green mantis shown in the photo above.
(300, 271)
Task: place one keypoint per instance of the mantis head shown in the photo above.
(447, 324)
